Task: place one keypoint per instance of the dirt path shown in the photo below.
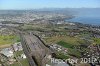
(3, 46)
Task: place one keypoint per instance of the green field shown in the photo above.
(74, 52)
(23, 63)
(18, 53)
(67, 39)
(61, 55)
(64, 44)
(71, 51)
(96, 40)
(8, 39)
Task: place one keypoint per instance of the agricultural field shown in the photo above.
(22, 62)
(67, 39)
(96, 40)
(71, 51)
(8, 39)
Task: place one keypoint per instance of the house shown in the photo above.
(23, 56)
(7, 52)
(17, 46)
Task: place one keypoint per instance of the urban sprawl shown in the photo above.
(46, 38)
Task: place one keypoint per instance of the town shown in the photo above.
(66, 40)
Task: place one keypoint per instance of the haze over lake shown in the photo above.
(87, 16)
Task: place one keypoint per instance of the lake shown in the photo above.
(87, 16)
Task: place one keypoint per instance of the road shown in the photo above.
(35, 49)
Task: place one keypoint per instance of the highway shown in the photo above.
(35, 49)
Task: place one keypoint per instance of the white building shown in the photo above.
(7, 52)
(23, 56)
(17, 46)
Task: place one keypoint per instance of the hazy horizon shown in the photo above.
(50, 8)
(40, 4)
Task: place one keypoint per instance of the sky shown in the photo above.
(36, 4)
